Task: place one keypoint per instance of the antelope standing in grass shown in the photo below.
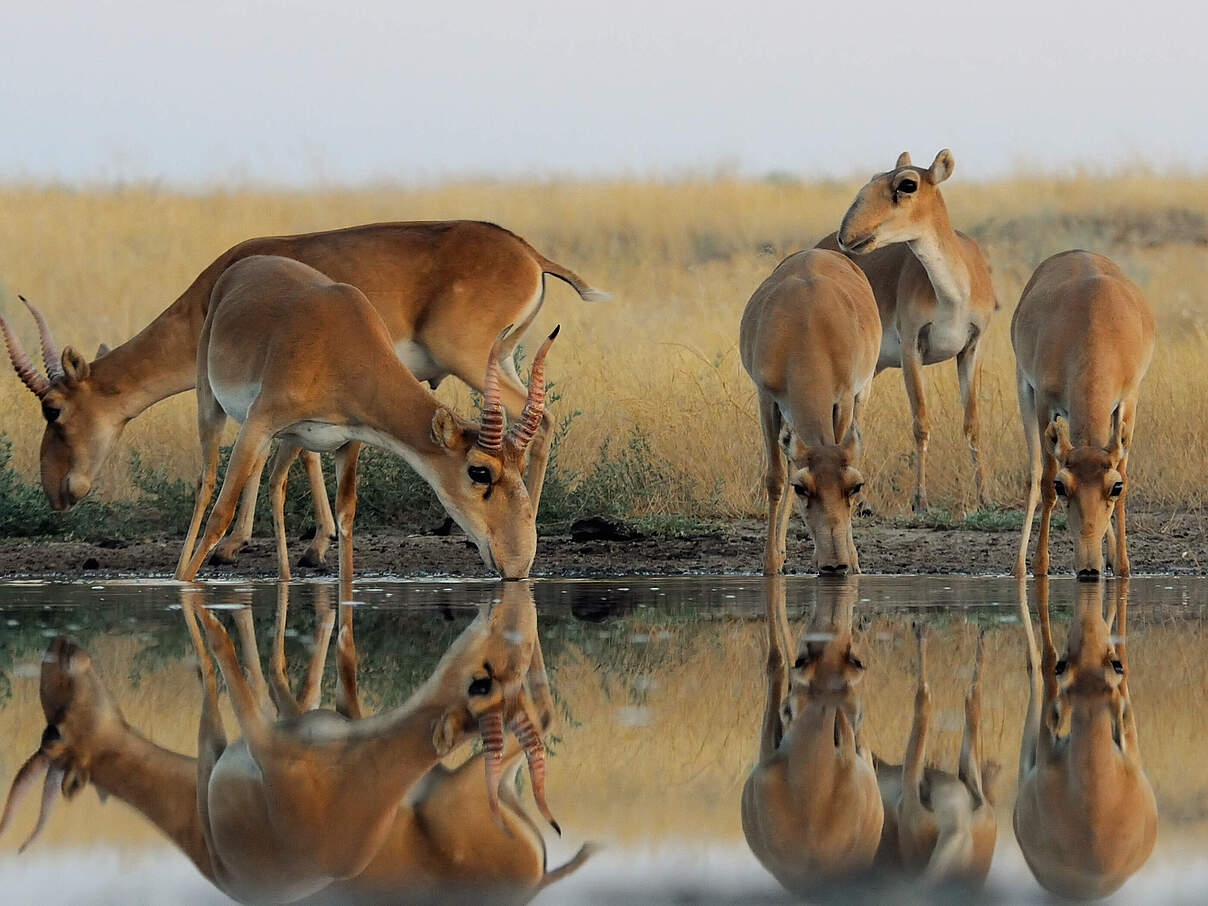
(939, 827)
(1085, 814)
(441, 832)
(811, 809)
(932, 286)
(266, 359)
(444, 289)
(809, 340)
(1083, 337)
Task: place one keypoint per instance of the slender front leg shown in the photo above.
(1040, 561)
(325, 524)
(283, 696)
(916, 747)
(210, 420)
(773, 729)
(228, 549)
(912, 374)
(252, 442)
(770, 422)
(1121, 567)
(1031, 436)
(969, 769)
(968, 374)
(1048, 668)
(1031, 723)
(310, 695)
(346, 509)
(348, 700)
(286, 453)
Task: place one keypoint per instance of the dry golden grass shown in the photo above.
(673, 768)
(681, 259)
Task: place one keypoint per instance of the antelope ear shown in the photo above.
(1057, 439)
(851, 442)
(903, 160)
(447, 429)
(101, 350)
(74, 780)
(941, 167)
(1115, 446)
(75, 366)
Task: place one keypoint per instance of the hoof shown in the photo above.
(224, 557)
(311, 560)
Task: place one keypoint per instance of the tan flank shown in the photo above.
(1083, 336)
(933, 289)
(809, 340)
(811, 809)
(445, 289)
(289, 353)
(1085, 814)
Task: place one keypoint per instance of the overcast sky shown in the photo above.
(299, 91)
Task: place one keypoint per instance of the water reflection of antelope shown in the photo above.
(325, 804)
(811, 809)
(1085, 815)
(939, 828)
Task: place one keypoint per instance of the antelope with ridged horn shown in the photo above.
(266, 358)
(441, 832)
(443, 288)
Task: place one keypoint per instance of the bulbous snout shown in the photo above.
(1088, 574)
(64, 493)
(833, 569)
(511, 557)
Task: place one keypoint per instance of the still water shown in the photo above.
(657, 696)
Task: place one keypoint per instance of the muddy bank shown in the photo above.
(1158, 543)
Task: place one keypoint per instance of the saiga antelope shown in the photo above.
(932, 286)
(1083, 337)
(1085, 815)
(442, 832)
(445, 290)
(265, 358)
(939, 827)
(811, 809)
(809, 340)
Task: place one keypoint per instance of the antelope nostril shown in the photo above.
(834, 569)
(1088, 575)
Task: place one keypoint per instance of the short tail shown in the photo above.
(585, 290)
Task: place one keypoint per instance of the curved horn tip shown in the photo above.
(554, 333)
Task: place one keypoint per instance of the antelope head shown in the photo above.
(1089, 482)
(895, 206)
(81, 719)
(827, 670)
(1091, 673)
(827, 484)
(481, 480)
(496, 674)
(82, 423)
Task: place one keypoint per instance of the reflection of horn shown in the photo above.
(491, 727)
(50, 790)
(27, 776)
(50, 350)
(534, 407)
(22, 363)
(534, 751)
(490, 432)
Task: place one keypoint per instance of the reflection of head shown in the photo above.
(1092, 668)
(827, 669)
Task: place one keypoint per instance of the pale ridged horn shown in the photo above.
(50, 350)
(534, 751)
(27, 776)
(22, 363)
(490, 725)
(50, 791)
(490, 432)
(523, 431)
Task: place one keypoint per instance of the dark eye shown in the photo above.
(1059, 487)
(50, 413)
(855, 661)
(801, 662)
(1117, 489)
(906, 187)
(1117, 666)
(479, 474)
(480, 685)
(855, 489)
(1060, 668)
(800, 491)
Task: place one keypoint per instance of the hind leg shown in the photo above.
(286, 453)
(346, 510)
(969, 770)
(348, 700)
(227, 551)
(325, 524)
(310, 694)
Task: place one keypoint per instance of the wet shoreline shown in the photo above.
(1159, 544)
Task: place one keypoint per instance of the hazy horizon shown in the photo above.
(290, 92)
